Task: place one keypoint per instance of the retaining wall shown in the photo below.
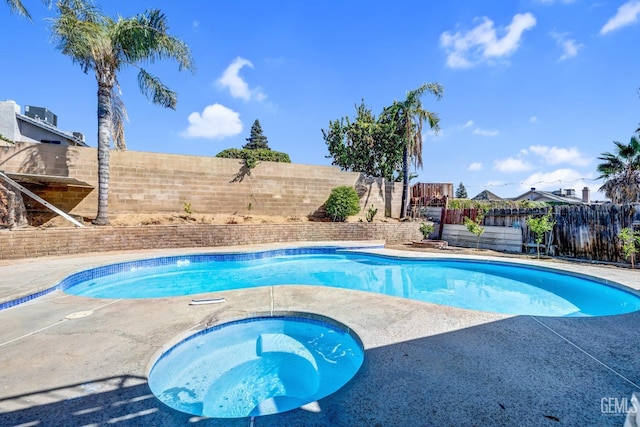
(29, 243)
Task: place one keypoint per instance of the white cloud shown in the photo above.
(238, 88)
(477, 130)
(195, 25)
(511, 165)
(466, 49)
(569, 47)
(627, 14)
(534, 119)
(475, 166)
(215, 122)
(560, 178)
(485, 132)
(555, 155)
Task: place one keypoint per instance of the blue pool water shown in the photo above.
(480, 285)
(257, 366)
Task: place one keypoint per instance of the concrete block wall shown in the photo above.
(30, 243)
(8, 123)
(142, 182)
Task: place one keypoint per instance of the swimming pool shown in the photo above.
(257, 366)
(479, 285)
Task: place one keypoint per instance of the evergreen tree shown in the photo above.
(257, 139)
(461, 192)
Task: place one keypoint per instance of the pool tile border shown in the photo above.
(119, 267)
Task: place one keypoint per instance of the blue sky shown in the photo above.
(535, 90)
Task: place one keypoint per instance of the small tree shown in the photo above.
(365, 144)
(461, 192)
(426, 229)
(257, 139)
(475, 227)
(342, 202)
(539, 226)
(630, 241)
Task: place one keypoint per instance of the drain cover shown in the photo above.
(79, 315)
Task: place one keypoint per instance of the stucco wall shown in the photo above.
(144, 182)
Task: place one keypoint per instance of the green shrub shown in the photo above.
(231, 153)
(501, 204)
(186, 206)
(426, 229)
(342, 202)
(260, 154)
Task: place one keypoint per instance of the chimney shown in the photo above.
(585, 195)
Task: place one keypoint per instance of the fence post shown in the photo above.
(443, 214)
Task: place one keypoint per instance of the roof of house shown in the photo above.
(548, 196)
(487, 195)
(51, 129)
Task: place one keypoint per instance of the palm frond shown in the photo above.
(144, 38)
(436, 89)
(118, 117)
(78, 32)
(434, 121)
(18, 8)
(155, 91)
(623, 188)
(621, 172)
(82, 10)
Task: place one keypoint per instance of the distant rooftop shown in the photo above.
(487, 195)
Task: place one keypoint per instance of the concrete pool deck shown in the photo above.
(75, 361)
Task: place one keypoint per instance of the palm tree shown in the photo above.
(410, 116)
(621, 172)
(100, 44)
(18, 8)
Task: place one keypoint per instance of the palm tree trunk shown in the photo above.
(405, 181)
(104, 139)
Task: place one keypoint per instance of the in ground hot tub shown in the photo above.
(257, 366)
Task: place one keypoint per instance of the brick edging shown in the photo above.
(32, 243)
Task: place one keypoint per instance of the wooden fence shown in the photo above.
(430, 194)
(591, 231)
(580, 231)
